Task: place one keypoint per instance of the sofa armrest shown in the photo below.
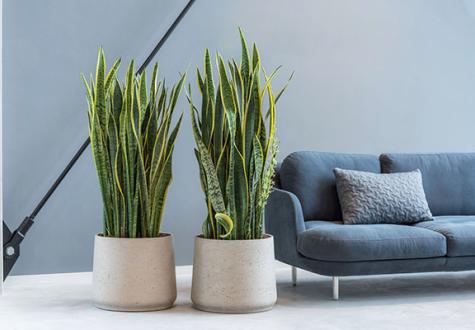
(284, 220)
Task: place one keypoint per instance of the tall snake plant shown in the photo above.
(132, 146)
(236, 146)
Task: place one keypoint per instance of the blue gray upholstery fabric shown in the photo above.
(371, 198)
(277, 175)
(309, 175)
(333, 241)
(459, 231)
(284, 218)
(448, 178)
(331, 268)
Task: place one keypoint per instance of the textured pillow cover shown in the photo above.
(372, 198)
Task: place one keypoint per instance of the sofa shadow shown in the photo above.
(377, 290)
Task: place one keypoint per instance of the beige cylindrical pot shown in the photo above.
(134, 274)
(234, 276)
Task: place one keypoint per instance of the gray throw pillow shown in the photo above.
(371, 198)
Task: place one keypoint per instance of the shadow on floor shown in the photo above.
(377, 290)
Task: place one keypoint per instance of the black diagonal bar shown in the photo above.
(11, 241)
(84, 146)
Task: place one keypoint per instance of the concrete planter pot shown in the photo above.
(134, 274)
(234, 276)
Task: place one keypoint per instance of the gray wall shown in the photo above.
(370, 76)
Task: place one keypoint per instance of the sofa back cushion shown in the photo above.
(309, 175)
(448, 179)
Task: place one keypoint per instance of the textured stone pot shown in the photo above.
(234, 276)
(134, 274)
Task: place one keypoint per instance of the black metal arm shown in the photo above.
(12, 240)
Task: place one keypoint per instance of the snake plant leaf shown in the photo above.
(213, 188)
(133, 138)
(269, 78)
(235, 144)
(238, 86)
(125, 173)
(256, 181)
(279, 93)
(101, 161)
(230, 185)
(252, 114)
(241, 193)
(176, 92)
(117, 100)
(205, 114)
(208, 106)
(218, 124)
(99, 91)
(118, 182)
(160, 195)
(143, 97)
(256, 58)
(225, 221)
(205, 228)
(244, 57)
(161, 103)
(153, 85)
(222, 165)
(173, 134)
(113, 147)
(271, 121)
(258, 156)
(249, 224)
(203, 181)
(209, 74)
(158, 148)
(214, 229)
(90, 99)
(199, 78)
(226, 91)
(134, 214)
(125, 123)
(282, 90)
(142, 185)
(111, 76)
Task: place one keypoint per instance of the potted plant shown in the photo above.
(234, 131)
(132, 145)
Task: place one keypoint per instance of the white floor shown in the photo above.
(422, 301)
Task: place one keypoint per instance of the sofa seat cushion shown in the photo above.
(334, 241)
(459, 232)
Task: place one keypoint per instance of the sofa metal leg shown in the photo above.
(336, 294)
(294, 276)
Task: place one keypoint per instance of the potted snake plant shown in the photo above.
(132, 141)
(234, 130)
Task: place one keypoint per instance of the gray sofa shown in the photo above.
(304, 216)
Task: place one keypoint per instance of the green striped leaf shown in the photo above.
(214, 191)
(236, 145)
(111, 76)
(127, 125)
(244, 58)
